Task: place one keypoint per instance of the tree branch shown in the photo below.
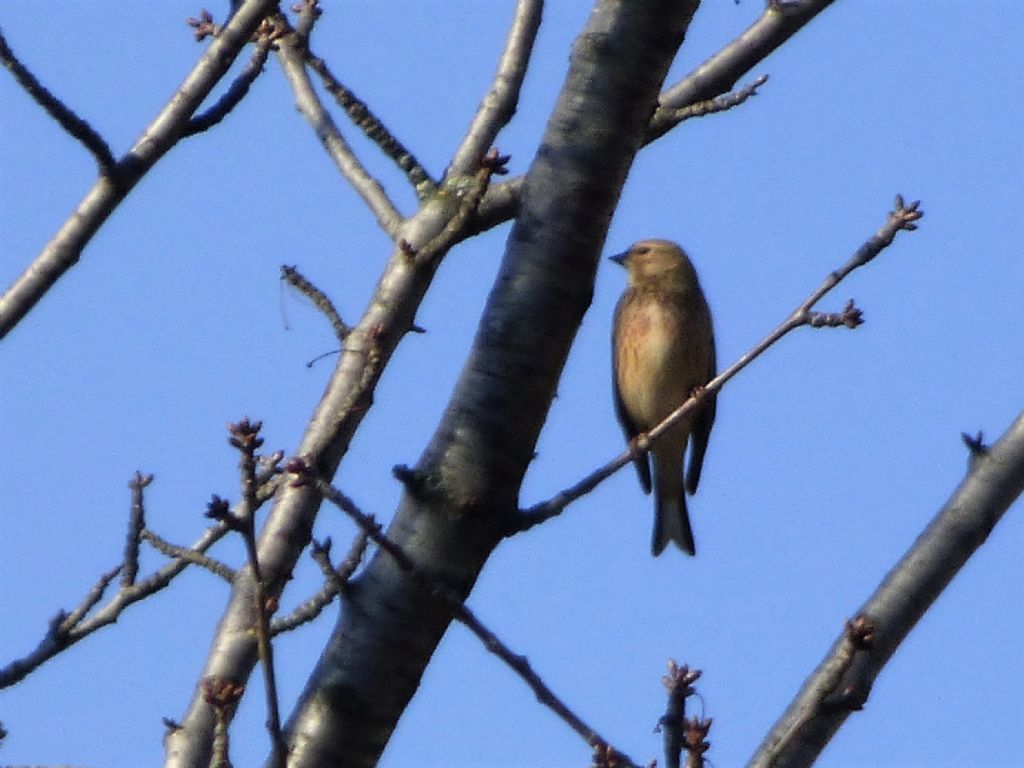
(422, 241)
(373, 128)
(720, 73)
(460, 612)
(499, 105)
(842, 681)
(65, 117)
(266, 35)
(66, 246)
(718, 104)
(716, 76)
(292, 53)
(67, 629)
(462, 492)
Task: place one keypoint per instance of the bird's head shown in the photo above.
(657, 263)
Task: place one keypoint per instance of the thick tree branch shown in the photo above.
(64, 250)
(463, 490)
(372, 530)
(843, 680)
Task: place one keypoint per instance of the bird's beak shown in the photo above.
(620, 258)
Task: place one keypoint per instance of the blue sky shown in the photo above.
(829, 455)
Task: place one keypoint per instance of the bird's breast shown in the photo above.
(657, 362)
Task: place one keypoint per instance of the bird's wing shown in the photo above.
(703, 421)
(642, 463)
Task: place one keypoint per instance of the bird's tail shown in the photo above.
(671, 520)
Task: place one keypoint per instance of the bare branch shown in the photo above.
(460, 612)
(366, 352)
(299, 282)
(679, 683)
(65, 248)
(468, 191)
(719, 104)
(499, 105)
(292, 55)
(842, 681)
(57, 636)
(903, 217)
(500, 204)
(188, 555)
(67, 629)
(714, 77)
(223, 697)
(373, 128)
(78, 128)
(335, 583)
(245, 437)
(267, 33)
(721, 72)
(136, 525)
(92, 598)
(309, 12)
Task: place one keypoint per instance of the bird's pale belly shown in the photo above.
(652, 375)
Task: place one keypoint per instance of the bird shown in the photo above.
(663, 349)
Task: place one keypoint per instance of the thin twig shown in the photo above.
(374, 128)
(306, 612)
(291, 53)
(718, 104)
(223, 697)
(78, 128)
(246, 440)
(188, 555)
(335, 582)
(92, 598)
(460, 612)
(903, 217)
(679, 684)
(66, 629)
(299, 282)
(266, 35)
(136, 525)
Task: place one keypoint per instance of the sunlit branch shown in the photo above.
(842, 682)
(292, 55)
(66, 246)
(499, 105)
(374, 128)
(720, 73)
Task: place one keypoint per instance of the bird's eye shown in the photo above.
(641, 250)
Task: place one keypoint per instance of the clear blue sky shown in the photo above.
(828, 457)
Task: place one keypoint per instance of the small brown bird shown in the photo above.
(663, 347)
